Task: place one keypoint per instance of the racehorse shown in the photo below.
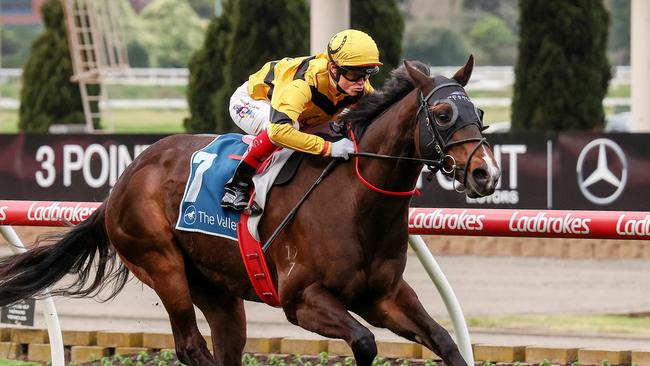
(348, 242)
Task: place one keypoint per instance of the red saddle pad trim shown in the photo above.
(255, 263)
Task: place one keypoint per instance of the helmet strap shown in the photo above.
(336, 76)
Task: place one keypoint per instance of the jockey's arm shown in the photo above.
(286, 106)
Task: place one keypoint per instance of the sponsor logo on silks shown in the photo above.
(541, 223)
(451, 221)
(245, 110)
(189, 216)
(633, 227)
(3, 212)
(56, 212)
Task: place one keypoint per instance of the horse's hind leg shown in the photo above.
(402, 313)
(160, 265)
(226, 316)
(317, 310)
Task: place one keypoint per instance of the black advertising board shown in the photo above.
(524, 183)
(592, 171)
(65, 167)
(603, 172)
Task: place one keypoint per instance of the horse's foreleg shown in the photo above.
(402, 313)
(317, 310)
(226, 316)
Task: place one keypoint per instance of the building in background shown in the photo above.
(20, 12)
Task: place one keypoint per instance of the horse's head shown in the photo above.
(450, 130)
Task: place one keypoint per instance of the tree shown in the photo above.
(493, 40)
(246, 35)
(206, 75)
(619, 30)
(562, 72)
(182, 28)
(435, 45)
(382, 20)
(48, 96)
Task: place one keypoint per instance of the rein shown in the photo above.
(439, 144)
(293, 211)
(380, 156)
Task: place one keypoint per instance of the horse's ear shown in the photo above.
(462, 76)
(419, 78)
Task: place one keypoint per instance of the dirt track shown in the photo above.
(484, 286)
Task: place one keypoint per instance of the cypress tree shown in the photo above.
(248, 34)
(261, 31)
(382, 20)
(48, 96)
(206, 74)
(562, 72)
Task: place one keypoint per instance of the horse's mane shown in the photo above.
(373, 104)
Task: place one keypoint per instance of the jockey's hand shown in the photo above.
(342, 148)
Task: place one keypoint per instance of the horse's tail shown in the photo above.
(84, 251)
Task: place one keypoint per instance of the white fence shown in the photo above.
(484, 78)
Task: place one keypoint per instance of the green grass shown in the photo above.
(124, 120)
(18, 363)
(8, 121)
(146, 91)
(592, 324)
(148, 121)
(12, 90)
(496, 114)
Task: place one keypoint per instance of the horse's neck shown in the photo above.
(392, 133)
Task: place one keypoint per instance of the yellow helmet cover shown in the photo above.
(353, 48)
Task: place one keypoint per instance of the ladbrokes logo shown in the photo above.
(633, 227)
(56, 212)
(3, 213)
(541, 223)
(439, 220)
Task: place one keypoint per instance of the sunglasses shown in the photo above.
(354, 74)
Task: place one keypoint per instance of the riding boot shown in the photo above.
(237, 194)
(237, 191)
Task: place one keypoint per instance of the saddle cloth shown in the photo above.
(210, 168)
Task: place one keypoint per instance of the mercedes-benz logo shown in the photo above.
(602, 173)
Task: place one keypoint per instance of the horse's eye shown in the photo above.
(443, 118)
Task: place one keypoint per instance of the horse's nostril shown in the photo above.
(480, 176)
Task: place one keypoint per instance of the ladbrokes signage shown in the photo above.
(539, 171)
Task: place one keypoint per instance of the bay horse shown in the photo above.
(348, 243)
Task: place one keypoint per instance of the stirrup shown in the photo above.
(253, 209)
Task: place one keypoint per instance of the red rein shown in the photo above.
(370, 185)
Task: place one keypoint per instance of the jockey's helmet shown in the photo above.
(354, 51)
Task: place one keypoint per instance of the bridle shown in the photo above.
(432, 138)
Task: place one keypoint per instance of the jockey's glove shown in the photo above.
(342, 148)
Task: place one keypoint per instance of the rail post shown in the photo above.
(49, 312)
(448, 296)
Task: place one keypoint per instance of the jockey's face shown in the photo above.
(352, 88)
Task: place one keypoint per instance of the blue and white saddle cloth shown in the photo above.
(210, 169)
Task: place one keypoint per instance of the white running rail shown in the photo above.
(49, 312)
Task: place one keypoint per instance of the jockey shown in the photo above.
(298, 94)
